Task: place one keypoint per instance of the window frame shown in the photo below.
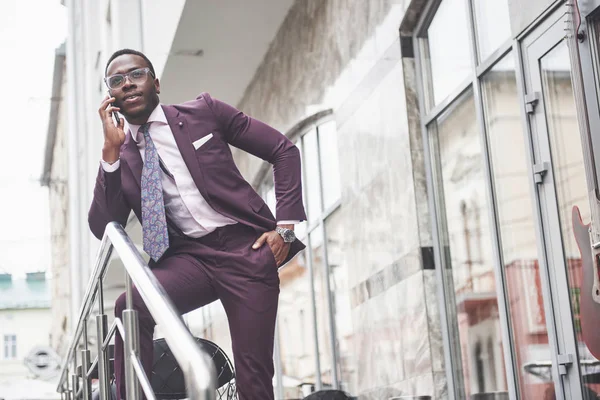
(264, 185)
(428, 118)
(13, 346)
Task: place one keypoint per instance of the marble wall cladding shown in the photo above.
(345, 56)
(433, 320)
(377, 183)
(392, 344)
(415, 135)
(321, 53)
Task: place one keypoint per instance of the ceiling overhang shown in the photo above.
(218, 46)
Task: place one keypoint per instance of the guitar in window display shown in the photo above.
(587, 235)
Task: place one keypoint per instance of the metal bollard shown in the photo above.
(103, 362)
(85, 382)
(75, 380)
(132, 339)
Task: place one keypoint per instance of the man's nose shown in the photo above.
(127, 83)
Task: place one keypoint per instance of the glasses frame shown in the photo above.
(127, 76)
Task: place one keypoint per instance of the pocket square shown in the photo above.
(202, 140)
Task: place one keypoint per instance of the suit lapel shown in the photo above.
(133, 159)
(180, 128)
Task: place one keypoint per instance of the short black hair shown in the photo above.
(129, 51)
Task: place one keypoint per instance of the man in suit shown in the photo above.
(208, 233)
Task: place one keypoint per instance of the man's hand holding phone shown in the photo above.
(114, 135)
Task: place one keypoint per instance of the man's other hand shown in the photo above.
(279, 248)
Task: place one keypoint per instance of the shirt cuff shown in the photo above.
(291, 222)
(110, 167)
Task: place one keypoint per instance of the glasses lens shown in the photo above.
(115, 81)
(137, 75)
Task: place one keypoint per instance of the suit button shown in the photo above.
(181, 124)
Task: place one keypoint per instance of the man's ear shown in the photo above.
(157, 85)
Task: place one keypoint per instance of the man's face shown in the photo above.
(135, 100)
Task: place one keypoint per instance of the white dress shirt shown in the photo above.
(184, 204)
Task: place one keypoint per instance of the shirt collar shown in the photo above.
(157, 116)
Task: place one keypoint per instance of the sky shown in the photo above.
(30, 31)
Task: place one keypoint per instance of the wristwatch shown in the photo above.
(288, 235)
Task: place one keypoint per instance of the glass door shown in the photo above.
(560, 179)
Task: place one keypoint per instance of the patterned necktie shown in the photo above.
(154, 222)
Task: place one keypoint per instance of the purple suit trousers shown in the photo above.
(222, 265)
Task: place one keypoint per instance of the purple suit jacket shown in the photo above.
(212, 168)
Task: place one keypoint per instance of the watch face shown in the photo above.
(287, 235)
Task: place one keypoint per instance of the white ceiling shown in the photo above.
(233, 35)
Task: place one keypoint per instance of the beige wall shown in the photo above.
(59, 223)
(31, 327)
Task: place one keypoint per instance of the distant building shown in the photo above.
(25, 319)
(54, 176)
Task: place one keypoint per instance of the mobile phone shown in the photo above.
(114, 113)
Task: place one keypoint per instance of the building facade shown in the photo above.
(442, 157)
(24, 323)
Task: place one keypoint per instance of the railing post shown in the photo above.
(132, 337)
(65, 387)
(75, 380)
(85, 382)
(103, 359)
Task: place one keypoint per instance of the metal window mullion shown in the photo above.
(314, 315)
(508, 347)
(277, 362)
(441, 289)
(530, 153)
(494, 58)
(332, 335)
(319, 382)
(436, 111)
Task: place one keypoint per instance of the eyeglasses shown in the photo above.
(136, 76)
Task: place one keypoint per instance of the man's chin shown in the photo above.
(134, 112)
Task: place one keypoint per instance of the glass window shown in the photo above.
(346, 338)
(571, 190)
(448, 50)
(492, 24)
(322, 306)
(330, 166)
(311, 174)
(515, 212)
(295, 323)
(469, 279)
(10, 347)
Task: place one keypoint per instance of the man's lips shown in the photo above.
(132, 98)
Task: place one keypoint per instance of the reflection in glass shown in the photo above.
(311, 174)
(569, 180)
(346, 337)
(330, 166)
(515, 212)
(322, 305)
(492, 23)
(295, 324)
(448, 50)
(472, 304)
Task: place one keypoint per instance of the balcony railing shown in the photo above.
(75, 381)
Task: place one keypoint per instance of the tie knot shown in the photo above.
(145, 128)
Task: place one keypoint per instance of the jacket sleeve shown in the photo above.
(261, 140)
(108, 204)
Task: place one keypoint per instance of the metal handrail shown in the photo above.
(197, 367)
